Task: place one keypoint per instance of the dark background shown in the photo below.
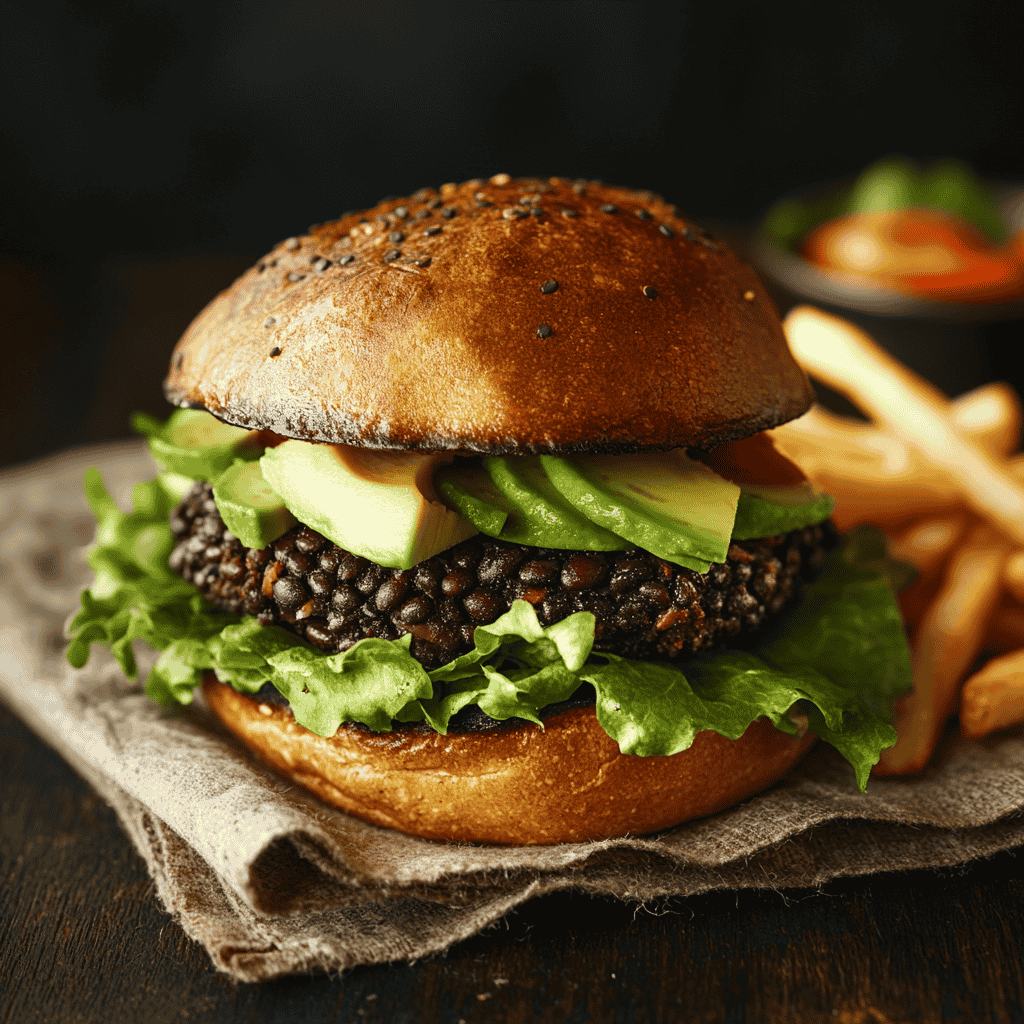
(153, 150)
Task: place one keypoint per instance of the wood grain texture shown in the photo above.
(82, 939)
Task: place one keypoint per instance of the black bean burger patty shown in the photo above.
(645, 607)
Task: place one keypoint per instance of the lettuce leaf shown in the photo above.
(835, 661)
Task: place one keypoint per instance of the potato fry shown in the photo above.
(994, 697)
(925, 544)
(945, 645)
(1013, 575)
(884, 488)
(991, 416)
(845, 358)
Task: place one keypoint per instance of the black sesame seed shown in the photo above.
(321, 265)
(448, 212)
(401, 212)
(570, 213)
(270, 321)
(608, 208)
(364, 220)
(434, 229)
(292, 276)
(391, 255)
(548, 287)
(291, 244)
(435, 204)
(513, 212)
(482, 202)
(536, 211)
(651, 293)
(687, 234)
(707, 243)
(179, 360)
(544, 331)
(346, 259)
(643, 215)
(276, 350)
(579, 189)
(421, 261)
(422, 214)
(666, 230)
(396, 236)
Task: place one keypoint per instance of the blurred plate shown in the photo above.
(807, 282)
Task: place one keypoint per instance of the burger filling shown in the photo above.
(690, 590)
(643, 606)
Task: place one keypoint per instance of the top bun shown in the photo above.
(500, 316)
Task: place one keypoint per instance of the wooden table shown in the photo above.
(83, 939)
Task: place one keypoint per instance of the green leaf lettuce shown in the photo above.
(836, 660)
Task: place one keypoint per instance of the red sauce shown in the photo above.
(920, 252)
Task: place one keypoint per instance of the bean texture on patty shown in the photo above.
(645, 607)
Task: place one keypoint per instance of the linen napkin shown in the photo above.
(273, 882)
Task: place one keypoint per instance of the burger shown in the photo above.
(469, 521)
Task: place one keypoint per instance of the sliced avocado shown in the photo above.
(667, 504)
(465, 487)
(376, 504)
(541, 516)
(249, 507)
(769, 511)
(193, 443)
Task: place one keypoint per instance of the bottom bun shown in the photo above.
(564, 783)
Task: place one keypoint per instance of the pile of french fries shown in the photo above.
(945, 481)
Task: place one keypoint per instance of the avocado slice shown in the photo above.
(666, 503)
(541, 515)
(378, 504)
(465, 487)
(193, 443)
(769, 511)
(249, 507)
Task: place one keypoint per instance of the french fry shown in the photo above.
(887, 488)
(945, 645)
(1013, 575)
(994, 697)
(845, 358)
(991, 416)
(925, 544)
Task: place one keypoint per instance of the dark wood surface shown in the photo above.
(83, 939)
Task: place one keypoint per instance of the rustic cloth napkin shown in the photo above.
(273, 882)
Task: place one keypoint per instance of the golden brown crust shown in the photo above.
(334, 337)
(565, 783)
